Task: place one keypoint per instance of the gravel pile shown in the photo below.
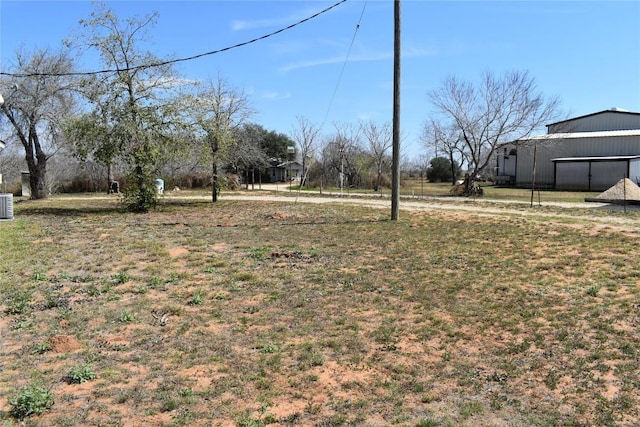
(625, 189)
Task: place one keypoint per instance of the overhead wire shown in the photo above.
(335, 90)
(174, 61)
(344, 65)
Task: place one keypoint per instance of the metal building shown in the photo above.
(591, 153)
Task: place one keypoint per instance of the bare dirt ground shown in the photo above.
(382, 354)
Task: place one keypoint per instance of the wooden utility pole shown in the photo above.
(395, 167)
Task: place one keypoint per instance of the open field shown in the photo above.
(280, 312)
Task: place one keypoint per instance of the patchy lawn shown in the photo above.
(253, 313)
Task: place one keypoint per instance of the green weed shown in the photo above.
(31, 399)
(81, 374)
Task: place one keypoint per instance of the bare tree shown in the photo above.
(218, 110)
(306, 136)
(497, 110)
(36, 103)
(379, 139)
(343, 154)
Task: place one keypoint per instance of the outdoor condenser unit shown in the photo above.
(6, 206)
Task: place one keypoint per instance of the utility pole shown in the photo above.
(395, 166)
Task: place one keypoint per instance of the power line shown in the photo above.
(344, 64)
(174, 61)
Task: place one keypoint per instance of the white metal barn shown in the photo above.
(590, 153)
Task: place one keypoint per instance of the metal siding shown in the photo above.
(572, 176)
(510, 166)
(634, 171)
(606, 174)
(577, 147)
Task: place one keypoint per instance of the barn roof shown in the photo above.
(612, 110)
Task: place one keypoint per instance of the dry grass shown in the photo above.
(260, 313)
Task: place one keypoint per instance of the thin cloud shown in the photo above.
(411, 52)
(240, 25)
(273, 95)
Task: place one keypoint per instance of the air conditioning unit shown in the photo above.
(6, 206)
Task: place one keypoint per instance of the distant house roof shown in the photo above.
(279, 163)
(288, 163)
(612, 110)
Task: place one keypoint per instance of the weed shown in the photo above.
(141, 290)
(32, 399)
(41, 348)
(154, 282)
(593, 290)
(185, 392)
(309, 357)
(126, 317)
(169, 404)
(196, 299)
(81, 374)
(39, 276)
(269, 348)
(122, 277)
(18, 302)
(259, 253)
(470, 408)
(264, 418)
(52, 300)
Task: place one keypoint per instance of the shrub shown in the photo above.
(81, 375)
(31, 399)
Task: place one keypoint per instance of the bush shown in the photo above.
(140, 192)
(31, 399)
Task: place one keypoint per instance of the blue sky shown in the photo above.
(586, 53)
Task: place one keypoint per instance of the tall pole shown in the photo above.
(395, 167)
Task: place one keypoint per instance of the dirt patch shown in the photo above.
(178, 251)
(64, 344)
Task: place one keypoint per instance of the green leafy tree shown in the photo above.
(441, 169)
(246, 154)
(275, 144)
(135, 113)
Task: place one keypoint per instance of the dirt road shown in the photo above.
(594, 214)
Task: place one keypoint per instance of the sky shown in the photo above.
(337, 68)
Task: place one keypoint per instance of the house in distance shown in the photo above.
(587, 153)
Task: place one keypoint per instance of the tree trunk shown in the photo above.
(214, 182)
(37, 164)
(453, 169)
(110, 178)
